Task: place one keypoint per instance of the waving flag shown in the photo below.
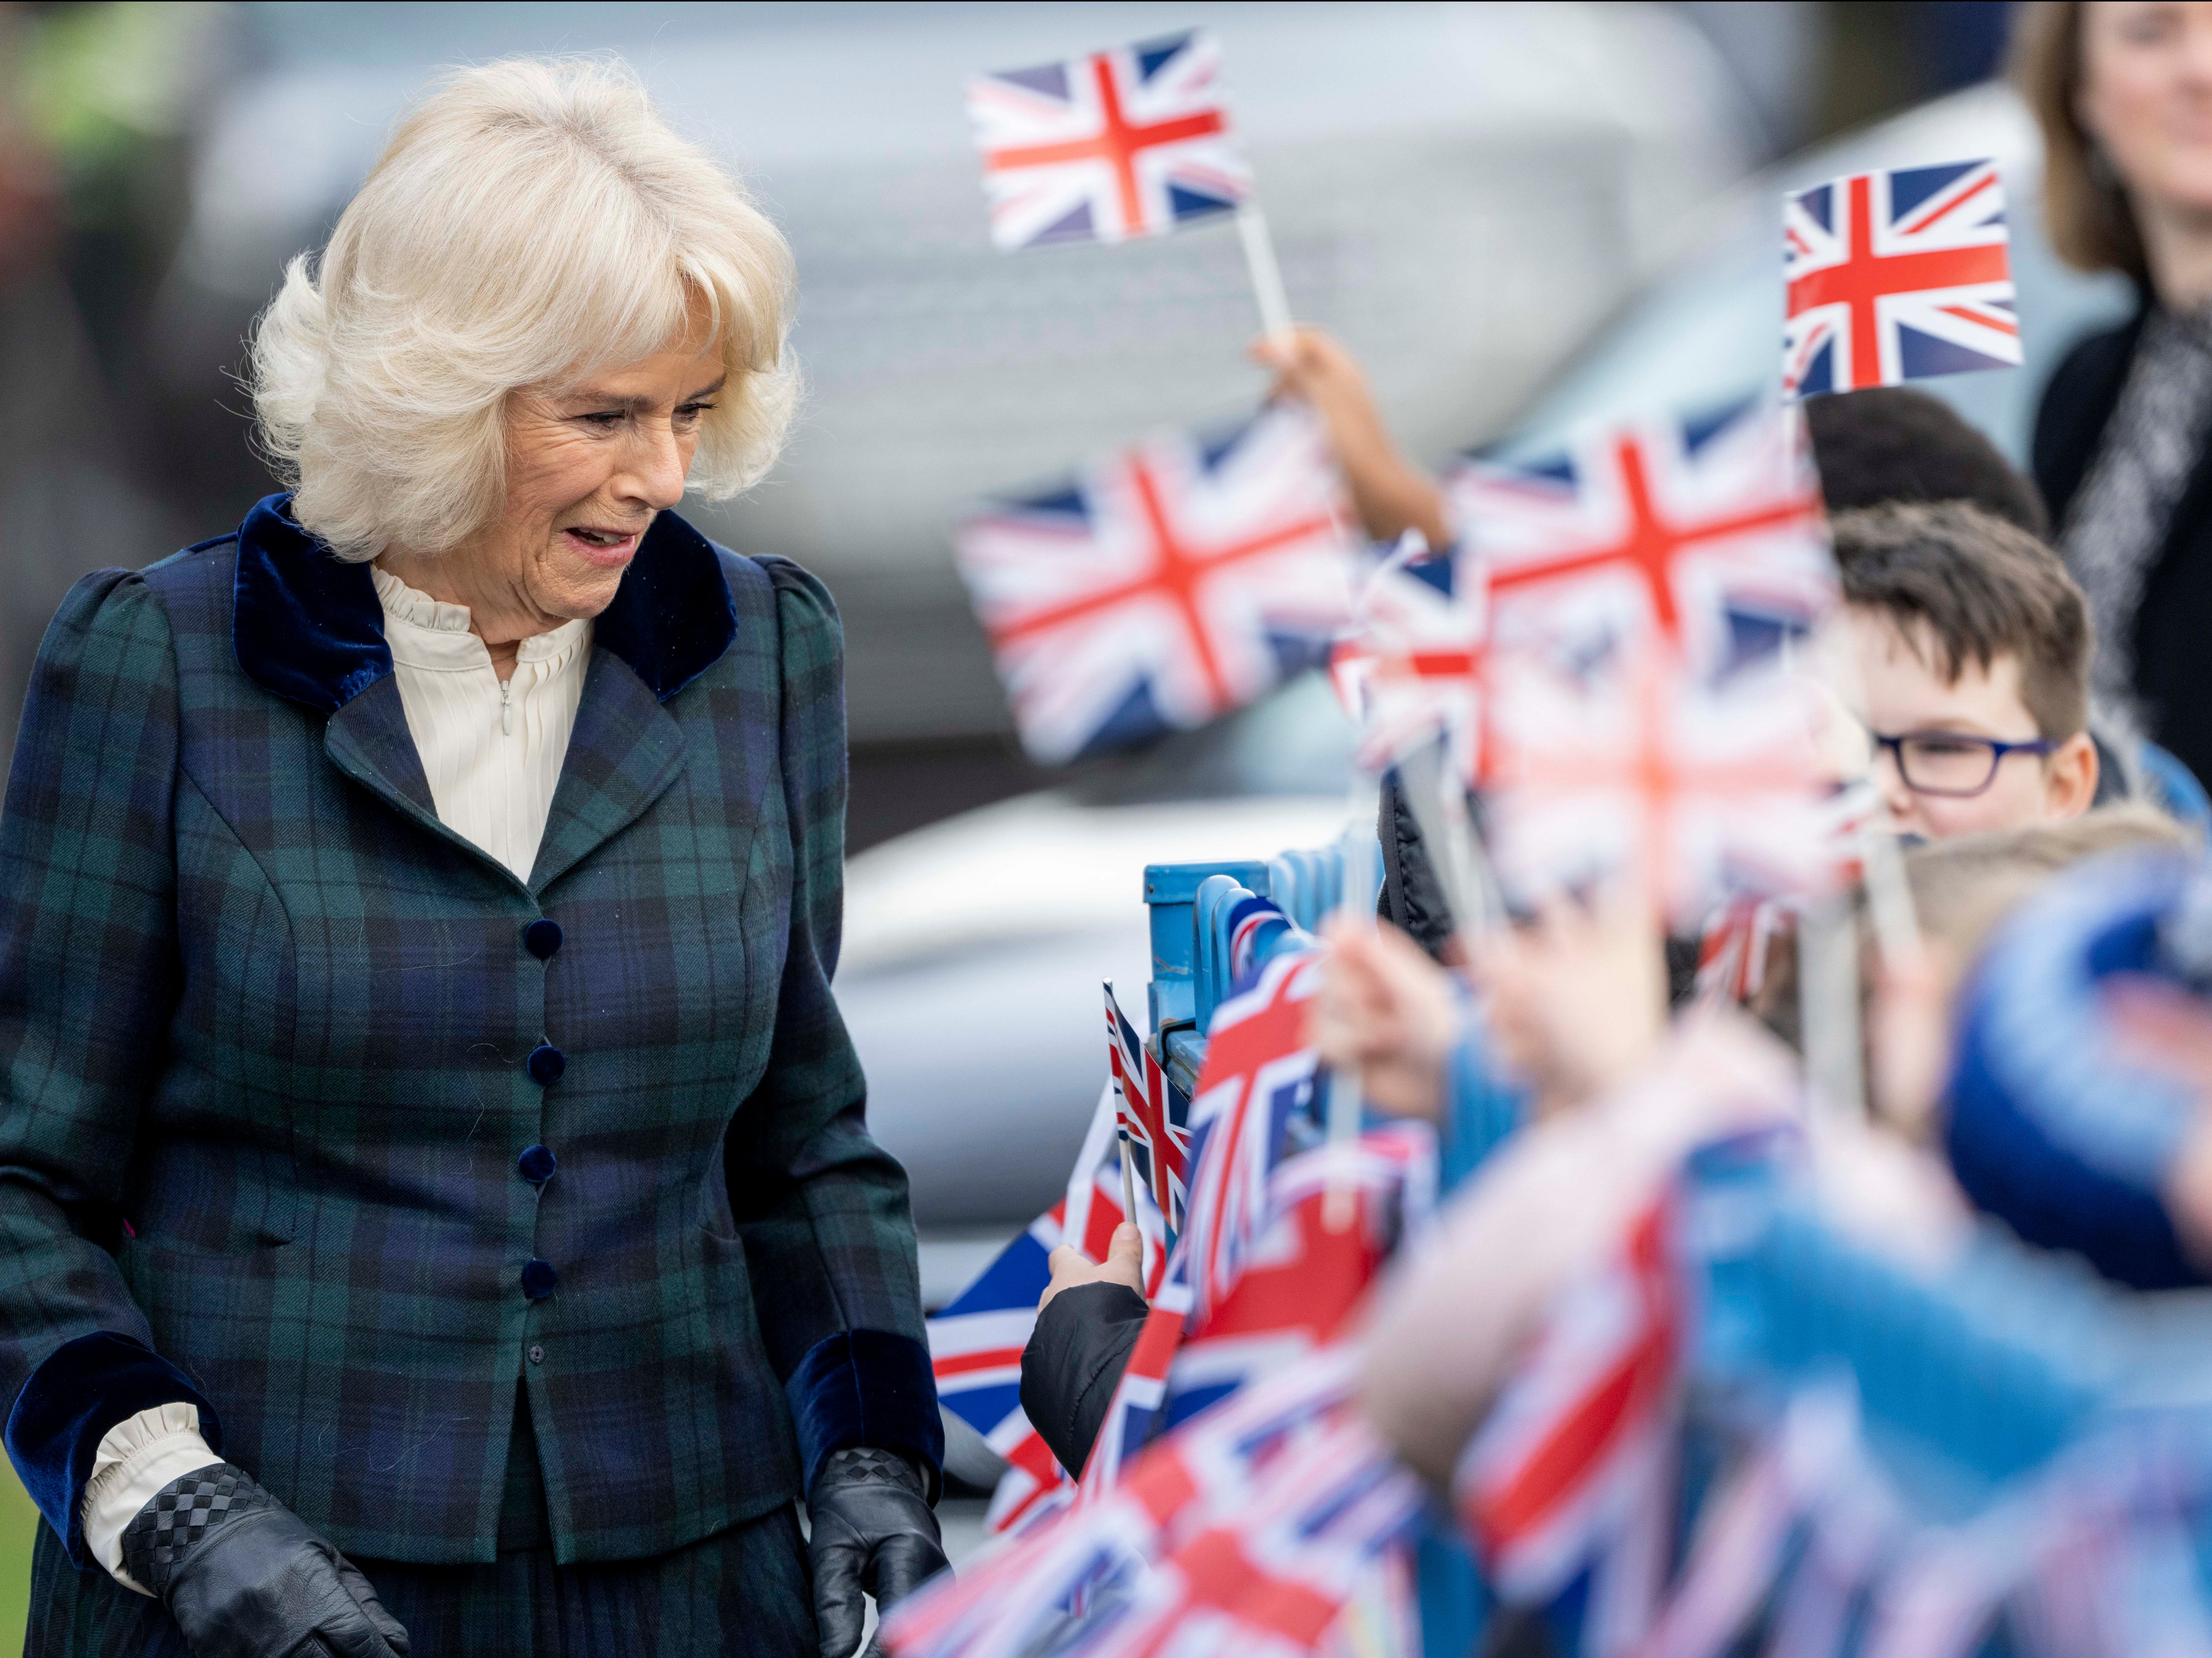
(1566, 1478)
(1700, 795)
(1147, 1114)
(1419, 639)
(975, 1344)
(1258, 1075)
(1304, 1278)
(1896, 275)
(1249, 1530)
(1707, 535)
(1131, 142)
(1171, 583)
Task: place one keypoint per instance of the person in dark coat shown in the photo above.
(2121, 434)
(436, 1203)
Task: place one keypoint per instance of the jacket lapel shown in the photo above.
(625, 752)
(308, 628)
(367, 739)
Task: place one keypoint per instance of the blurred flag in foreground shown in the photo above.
(1707, 535)
(1254, 1529)
(1697, 795)
(1642, 707)
(1169, 584)
(1896, 275)
(1568, 1474)
(1409, 668)
(1131, 141)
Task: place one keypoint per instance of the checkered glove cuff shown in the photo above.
(182, 1514)
(860, 1463)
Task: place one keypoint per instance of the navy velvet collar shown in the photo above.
(306, 625)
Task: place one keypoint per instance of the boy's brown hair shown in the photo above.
(1974, 587)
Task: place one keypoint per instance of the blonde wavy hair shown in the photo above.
(530, 222)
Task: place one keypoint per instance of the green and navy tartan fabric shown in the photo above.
(266, 1030)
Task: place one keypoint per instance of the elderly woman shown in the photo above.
(436, 1197)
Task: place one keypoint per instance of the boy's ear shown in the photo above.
(2070, 777)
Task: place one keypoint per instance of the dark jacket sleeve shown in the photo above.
(1412, 898)
(822, 1208)
(88, 982)
(1073, 1362)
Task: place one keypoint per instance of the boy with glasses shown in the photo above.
(1973, 645)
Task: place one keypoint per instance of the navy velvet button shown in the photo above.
(537, 1163)
(545, 1064)
(538, 1279)
(542, 938)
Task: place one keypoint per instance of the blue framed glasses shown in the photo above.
(1952, 763)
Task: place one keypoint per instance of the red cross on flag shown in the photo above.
(1705, 535)
(1169, 584)
(1696, 790)
(1411, 667)
(1131, 141)
(1896, 275)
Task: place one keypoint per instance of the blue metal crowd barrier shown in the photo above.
(1191, 904)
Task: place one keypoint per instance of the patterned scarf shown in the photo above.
(2118, 521)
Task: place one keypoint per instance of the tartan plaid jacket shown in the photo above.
(274, 1043)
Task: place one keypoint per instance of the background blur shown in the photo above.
(1511, 212)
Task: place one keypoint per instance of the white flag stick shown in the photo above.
(1829, 1006)
(1357, 907)
(1129, 1179)
(1267, 275)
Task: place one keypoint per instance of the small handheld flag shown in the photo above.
(1130, 141)
(1896, 275)
(1169, 584)
(1149, 1131)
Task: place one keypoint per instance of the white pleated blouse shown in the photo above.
(491, 750)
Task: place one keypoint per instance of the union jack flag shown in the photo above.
(1419, 642)
(1258, 1075)
(1896, 275)
(1171, 583)
(1250, 1529)
(1707, 534)
(1131, 142)
(975, 1344)
(1148, 1114)
(1697, 794)
(1303, 1278)
(1568, 1474)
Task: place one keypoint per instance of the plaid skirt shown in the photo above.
(746, 1592)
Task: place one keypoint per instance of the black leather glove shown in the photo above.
(872, 1531)
(244, 1578)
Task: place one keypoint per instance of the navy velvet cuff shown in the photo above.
(867, 1388)
(67, 1407)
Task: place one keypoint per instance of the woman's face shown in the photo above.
(2145, 97)
(587, 468)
